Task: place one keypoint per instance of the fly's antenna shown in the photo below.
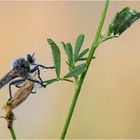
(33, 54)
(30, 58)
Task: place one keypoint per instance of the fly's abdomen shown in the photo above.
(7, 78)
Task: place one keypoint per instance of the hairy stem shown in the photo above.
(91, 53)
(12, 133)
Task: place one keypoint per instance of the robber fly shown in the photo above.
(23, 68)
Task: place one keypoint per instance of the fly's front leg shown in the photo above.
(38, 72)
(16, 83)
(44, 67)
(36, 68)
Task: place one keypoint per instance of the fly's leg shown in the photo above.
(44, 67)
(19, 86)
(33, 92)
(16, 83)
(41, 83)
(38, 73)
(36, 68)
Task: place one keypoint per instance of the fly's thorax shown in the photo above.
(18, 62)
(22, 66)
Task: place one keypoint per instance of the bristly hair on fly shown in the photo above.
(17, 61)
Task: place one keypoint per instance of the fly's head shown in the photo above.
(30, 59)
(22, 66)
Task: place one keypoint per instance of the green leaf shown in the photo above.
(82, 54)
(56, 56)
(76, 71)
(85, 58)
(78, 45)
(64, 45)
(69, 53)
(123, 19)
(67, 63)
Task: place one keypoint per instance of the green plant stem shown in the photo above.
(12, 133)
(91, 53)
(56, 80)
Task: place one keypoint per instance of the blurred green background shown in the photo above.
(109, 103)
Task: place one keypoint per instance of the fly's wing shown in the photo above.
(8, 77)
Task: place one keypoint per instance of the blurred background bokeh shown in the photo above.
(109, 103)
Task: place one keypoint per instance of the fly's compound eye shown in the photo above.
(30, 58)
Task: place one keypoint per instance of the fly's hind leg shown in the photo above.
(33, 92)
(16, 83)
(36, 81)
(19, 86)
